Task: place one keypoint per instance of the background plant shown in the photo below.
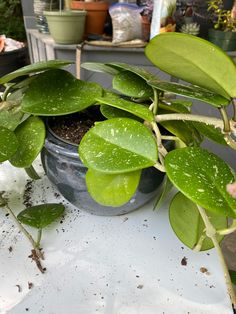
(12, 23)
(223, 19)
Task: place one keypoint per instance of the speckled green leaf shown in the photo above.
(188, 225)
(132, 85)
(99, 67)
(8, 143)
(202, 177)
(164, 193)
(112, 112)
(30, 135)
(112, 189)
(57, 92)
(34, 68)
(194, 60)
(191, 91)
(117, 146)
(176, 105)
(138, 110)
(146, 75)
(10, 118)
(210, 132)
(40, 216)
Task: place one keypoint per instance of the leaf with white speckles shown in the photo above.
(112, 189)
(34, 68)
(40, 216)
(57, 92)
(202, 177)
(30, 135)
(132, 85)
(188, 225)
(8, 143)
(118, 145)
(138, 110)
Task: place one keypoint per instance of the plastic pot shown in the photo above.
(66, 27)
(65, 170)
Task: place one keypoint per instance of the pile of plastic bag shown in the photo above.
(9, 44)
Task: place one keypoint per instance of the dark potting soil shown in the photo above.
(73, 127)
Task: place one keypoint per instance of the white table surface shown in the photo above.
(127, 264)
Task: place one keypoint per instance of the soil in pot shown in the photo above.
(65, 170)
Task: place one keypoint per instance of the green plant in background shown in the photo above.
(222, 19)
(131, 137)
(190, 28)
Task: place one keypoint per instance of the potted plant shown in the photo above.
(131, 138)
(66, 26)
(223, 18)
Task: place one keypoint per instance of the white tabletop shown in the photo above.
(127, 264)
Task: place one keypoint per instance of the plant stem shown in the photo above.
(225, 119)
(161, 148)
(198, 246)
(31, 172)
(5, 93)
(39, 238)
(156, 100)
(26, 233)
(218, 123)
(211, 233)
(229, 230)
(234, 108)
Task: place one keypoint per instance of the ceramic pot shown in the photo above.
(225, 40)
(65, 170)
(96, 15)
(66, 27)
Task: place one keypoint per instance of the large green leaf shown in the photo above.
(99, 67)
(34, 68)
(202, 177)
(188, 224)
(40, 216)
(132, 85)
(164, 193)
(146, 75)
(57, 92)
(30, 135)
(136, 109)
(194, 60)
(193, 92)
(8, 143)
(118, 145)
(112, 189)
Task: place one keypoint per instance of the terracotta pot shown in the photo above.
(96, 15)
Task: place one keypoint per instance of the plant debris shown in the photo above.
(184, 261)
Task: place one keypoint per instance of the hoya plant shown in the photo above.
(141, 113)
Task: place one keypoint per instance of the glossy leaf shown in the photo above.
(117, 146)
(112, 189)
(188, 225)
(146, 75)
(233, 276)
(176, 105)
(112, 112)
(210, 132)
(30, 135)
(40, 216)
(34, 68)
(138, 110)
(99, 67)
(8, 143)
(57, 92)
(194, 60)
(191, 91)
(202, 177)
(132, 85)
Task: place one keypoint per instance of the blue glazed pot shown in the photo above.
(65, 170)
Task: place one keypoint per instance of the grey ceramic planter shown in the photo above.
(65, 170)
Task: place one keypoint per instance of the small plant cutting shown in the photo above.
(138, 119)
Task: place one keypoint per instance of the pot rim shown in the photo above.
(65, 13)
